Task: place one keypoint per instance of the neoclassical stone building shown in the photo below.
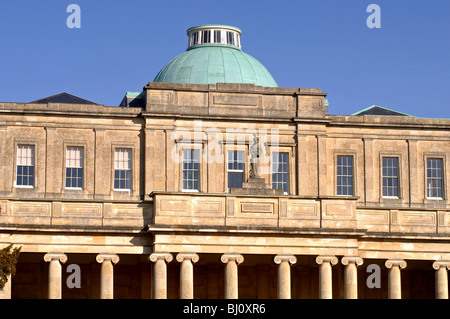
(160, 197)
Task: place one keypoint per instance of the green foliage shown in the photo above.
(8, 261)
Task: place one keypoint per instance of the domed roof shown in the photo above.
(214, 56)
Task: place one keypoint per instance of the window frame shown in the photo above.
(83, 161)
(130, 169)
(235, 170)
(199, 169)
(288, 181)
(443, 175)
(17, 145)
(399, 188)
(354, 159)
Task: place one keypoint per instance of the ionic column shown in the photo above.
(5, 293)
(187, 274)
(284, 275)
(395, 282)
(55, 274)
(231, 274)
(325, 283)
(107, 274)
(351, 276)
(159, 283)
(441, 278)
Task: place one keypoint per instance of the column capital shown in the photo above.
(278, 259)
(61, 257)
(441, 264)
(395, 263)
(193, 257)
(167, 257)
(326, 259)
(238, 258)
(112, 257)
(358, 261)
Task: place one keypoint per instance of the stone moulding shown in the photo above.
(61, 257)
(395, 263)
(112, 257)
(237, 258)
(278, 259)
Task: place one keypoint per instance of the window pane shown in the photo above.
(434, 178)
(344, 175)
(122, 169)
(280, 171)
(191, 167)
(25, 165)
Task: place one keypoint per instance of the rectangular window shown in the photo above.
(217, 36)
(191, 169)
(230, 38)
(74, 167)
(195, 38)
(435, 178)
(205, 36)
(280, 171)
(122, 169)
(25, 166)
(390, 177)
(235, 169)
(344, 175)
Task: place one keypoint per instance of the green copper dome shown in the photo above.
(214, 56)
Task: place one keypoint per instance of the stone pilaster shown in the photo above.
(187, 274)
(284, 275)
(325, 282)
(351, 276)
(107, 274)
(441, 278)
(55, 274)
(159, 283)
(395, 282)
(231, 274)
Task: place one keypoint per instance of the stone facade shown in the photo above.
(156, 240)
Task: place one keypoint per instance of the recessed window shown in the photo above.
(195, 38)
(435, 178)
(25, 166)
(74, 167)
(280, 171)
(206, 35)
(235, 169)
(390, 177)
(230, 37)
(122, 169)
(344, 175)
(191, 169)
(217, 36)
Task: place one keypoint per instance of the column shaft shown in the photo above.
(441, 279)
(159, 283)
(107, 274)
(351, 276)
(55, 274)
(5, 293)
(231, 274)
(284, 275)
(325, 276)
(187, 274)
(395, 282)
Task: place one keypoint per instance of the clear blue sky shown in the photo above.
(325, 44)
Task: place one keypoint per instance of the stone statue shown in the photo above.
(254, 157)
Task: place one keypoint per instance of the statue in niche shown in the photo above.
(254, 151)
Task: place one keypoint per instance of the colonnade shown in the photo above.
(232, 262)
